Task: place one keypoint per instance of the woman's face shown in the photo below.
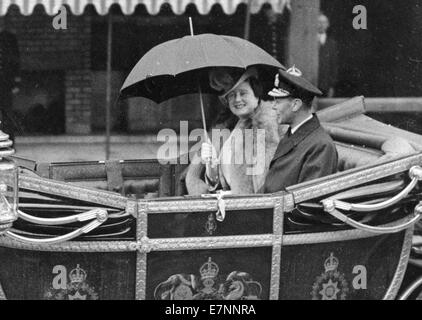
(242, 100)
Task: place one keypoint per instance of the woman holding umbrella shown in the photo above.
(245, 99)
(181, 66)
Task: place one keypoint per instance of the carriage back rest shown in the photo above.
(138, 178)
(352, 150)
(351, 156)
(356, 147)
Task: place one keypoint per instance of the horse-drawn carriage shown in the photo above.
(127, 229)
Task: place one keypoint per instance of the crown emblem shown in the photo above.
(331, 263)
(294, 71)
(209, 270)
(210, 225)
(77, 275)
(75, 288)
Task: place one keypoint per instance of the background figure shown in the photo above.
(269, 30)
(9, 70)
(328, 65)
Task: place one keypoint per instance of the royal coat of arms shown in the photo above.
(76, 288)
(208, 286)
(330, 285)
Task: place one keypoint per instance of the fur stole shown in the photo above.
(265, 121)
(251, 155)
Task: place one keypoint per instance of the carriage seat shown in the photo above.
(351, 156)
(133, 178)
(358, 148)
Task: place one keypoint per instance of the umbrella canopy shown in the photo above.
(177, 67)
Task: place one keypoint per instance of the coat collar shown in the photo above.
(288, 143)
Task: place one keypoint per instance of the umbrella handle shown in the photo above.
(204, 124)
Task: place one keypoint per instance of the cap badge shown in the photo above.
(277, 92)
(294, 71)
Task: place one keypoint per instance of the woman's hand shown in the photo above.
(208, 153)
(209, 157)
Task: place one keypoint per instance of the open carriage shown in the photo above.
(127, 229)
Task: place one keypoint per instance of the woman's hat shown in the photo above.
(223, 79)
(291, 83)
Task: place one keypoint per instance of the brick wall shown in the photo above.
(44, 48)
(78, 101)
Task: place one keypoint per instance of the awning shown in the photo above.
(128, 6)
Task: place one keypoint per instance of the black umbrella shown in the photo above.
(181, 66)
(177, 67)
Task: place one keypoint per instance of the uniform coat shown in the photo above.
(308, 154)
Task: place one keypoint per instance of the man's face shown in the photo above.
(283, 107)
(323, 23)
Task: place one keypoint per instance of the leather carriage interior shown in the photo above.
(358, 143)
(133, 178)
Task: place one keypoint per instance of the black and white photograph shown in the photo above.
(228, 150)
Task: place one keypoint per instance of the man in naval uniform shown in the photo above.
(306, 152)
